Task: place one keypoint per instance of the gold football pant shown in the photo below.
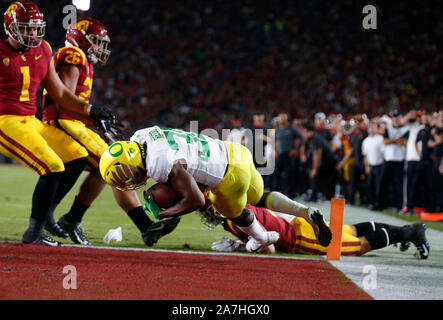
(306, 240)
(36, 145)
(241, 185)
(90, 140)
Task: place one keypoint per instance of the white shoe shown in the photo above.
(254, 245)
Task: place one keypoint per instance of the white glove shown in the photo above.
(113, 234)
(229, 245)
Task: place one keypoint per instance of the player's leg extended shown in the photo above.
(151, 231)
(239, 187)
(279, 202)
(379, 235)
(21, 139)
(91, 187)
(75, 157)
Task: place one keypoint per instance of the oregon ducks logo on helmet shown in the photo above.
(122, 165)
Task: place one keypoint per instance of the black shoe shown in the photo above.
(74, 230)
(417, 236)
(404, 245)
(56, 231)
(158, 229)
(41, 239)
(324, 236)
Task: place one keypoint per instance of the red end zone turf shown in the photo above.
(36, 272)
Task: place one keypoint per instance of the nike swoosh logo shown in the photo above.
(160, 227)
(50, 243)
(38, 57)
(425, 250)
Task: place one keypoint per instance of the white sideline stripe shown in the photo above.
(181, 251)
(192, 252)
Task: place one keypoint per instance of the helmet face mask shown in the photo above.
(24, 24)
(122, 166)
(92, 37)
(98, 51)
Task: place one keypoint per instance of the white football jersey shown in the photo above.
(206, 158)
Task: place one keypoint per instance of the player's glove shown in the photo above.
(111, 131)
(98, 113)
(230, 245)
(151, 205)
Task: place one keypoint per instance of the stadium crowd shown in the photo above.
(225, 62)
(389, 161)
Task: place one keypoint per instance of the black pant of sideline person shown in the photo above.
(391, 185)
(373, 181)
(414, 198)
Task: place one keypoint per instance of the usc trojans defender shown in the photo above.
(297, 235)
(86, 45)
(25, 63)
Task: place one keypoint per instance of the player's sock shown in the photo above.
(384, 237)
(50, 217)
(77, 211)
(364, 228)
(140, 218)
(279, 202)
(73, 169)
(255, 230)
(42, 199)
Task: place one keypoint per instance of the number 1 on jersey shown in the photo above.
(24, 96)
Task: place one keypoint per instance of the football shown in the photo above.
(165, 196)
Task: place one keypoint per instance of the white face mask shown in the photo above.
(28, 34)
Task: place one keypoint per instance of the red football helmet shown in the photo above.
(92, 37)
(24, 23)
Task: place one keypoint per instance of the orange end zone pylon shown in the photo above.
(336, 225)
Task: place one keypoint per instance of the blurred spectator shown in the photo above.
(321, 164)
(424, 167)
(395, 139)
(412, 160)
(237, 132)
(286, 137)
(341, 143)
(373, 158)
(357, 169)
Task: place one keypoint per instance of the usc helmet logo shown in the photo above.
(83, 25)
(12, 8)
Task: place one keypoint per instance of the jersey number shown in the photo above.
(73, 57)
(191, 138)
(24, 96)
(85, 95)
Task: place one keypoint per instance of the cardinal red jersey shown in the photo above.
(70, 56)
(270, 222)
(20, 76)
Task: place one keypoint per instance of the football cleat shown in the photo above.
(159, 229)
(74, 230)
(418, 238)
(41, 239)
(254, 245)
(56, 231)
(324, 235)
(404, 245)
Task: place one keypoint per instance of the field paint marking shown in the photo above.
(193, 252)
(181, 251)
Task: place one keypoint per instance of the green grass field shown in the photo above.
(15, 207)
